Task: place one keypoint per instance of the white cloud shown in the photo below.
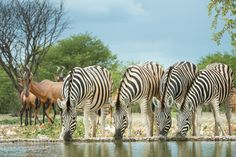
(130, 7)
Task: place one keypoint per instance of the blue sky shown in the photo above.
(147, 30)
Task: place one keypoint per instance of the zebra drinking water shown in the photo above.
(139, 84)
(213, 86)
(173, 87)
(88, 88)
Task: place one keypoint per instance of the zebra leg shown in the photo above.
(86, 123)
(194, 124)
(103, 117)
(150, 119)
(129, 114)
(216, 112)
(197, 121)
(92, 118)
(228, 115)
(216, 132)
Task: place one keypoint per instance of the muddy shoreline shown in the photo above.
(142, 139)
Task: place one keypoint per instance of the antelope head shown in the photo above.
(59, 76)
(27, 77)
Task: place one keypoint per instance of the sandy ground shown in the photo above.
(138, 127)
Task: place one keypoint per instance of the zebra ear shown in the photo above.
(170, 101)
(178, 106)
(113, 103)
(126, 101)
(60, 104)
(189, 106)
(156, 102)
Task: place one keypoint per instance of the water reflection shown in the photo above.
(86, 150)
(121, 149)
(186, 149)
(149, 149)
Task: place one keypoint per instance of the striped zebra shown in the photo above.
(214, 85)
(88, 88)
(139, 84)
(173, 87)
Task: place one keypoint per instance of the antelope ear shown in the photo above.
(156, 102)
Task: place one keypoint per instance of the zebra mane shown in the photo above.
(117, 104)
(188, 88)
(69, 88)
(166, 84)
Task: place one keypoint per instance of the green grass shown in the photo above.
(50, 130)
(35, 131)
(10, 122)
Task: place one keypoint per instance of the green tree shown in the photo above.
(79, 50)
(224, 10)
(9, 100)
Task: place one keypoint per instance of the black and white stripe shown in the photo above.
(173, 87)
(139, 84)
(213, 86)
(89, 89)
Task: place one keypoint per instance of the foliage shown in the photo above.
(223, 10)
(10, 121)
(9, 98)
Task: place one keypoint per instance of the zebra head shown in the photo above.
(121, 121)
(68, 119)
(163, 117)
(184, 120)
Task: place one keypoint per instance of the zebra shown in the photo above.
(213, 85)
(139, 84)
(172, 88)
(88, 88)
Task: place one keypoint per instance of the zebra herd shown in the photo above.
(182, 85)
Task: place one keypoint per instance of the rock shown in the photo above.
(42, 137)
(111, 129)
(11, 133)
(233, 126)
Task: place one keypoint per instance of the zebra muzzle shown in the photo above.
(180, 134)
(67, 136)
(118, 134)
(163, 133)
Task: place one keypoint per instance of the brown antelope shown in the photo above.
(47, 91)
(29, 101)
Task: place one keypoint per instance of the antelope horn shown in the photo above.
(63, 68)
(58, 68)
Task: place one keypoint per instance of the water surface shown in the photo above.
(121, 149)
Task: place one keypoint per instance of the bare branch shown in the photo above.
(27, 30)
